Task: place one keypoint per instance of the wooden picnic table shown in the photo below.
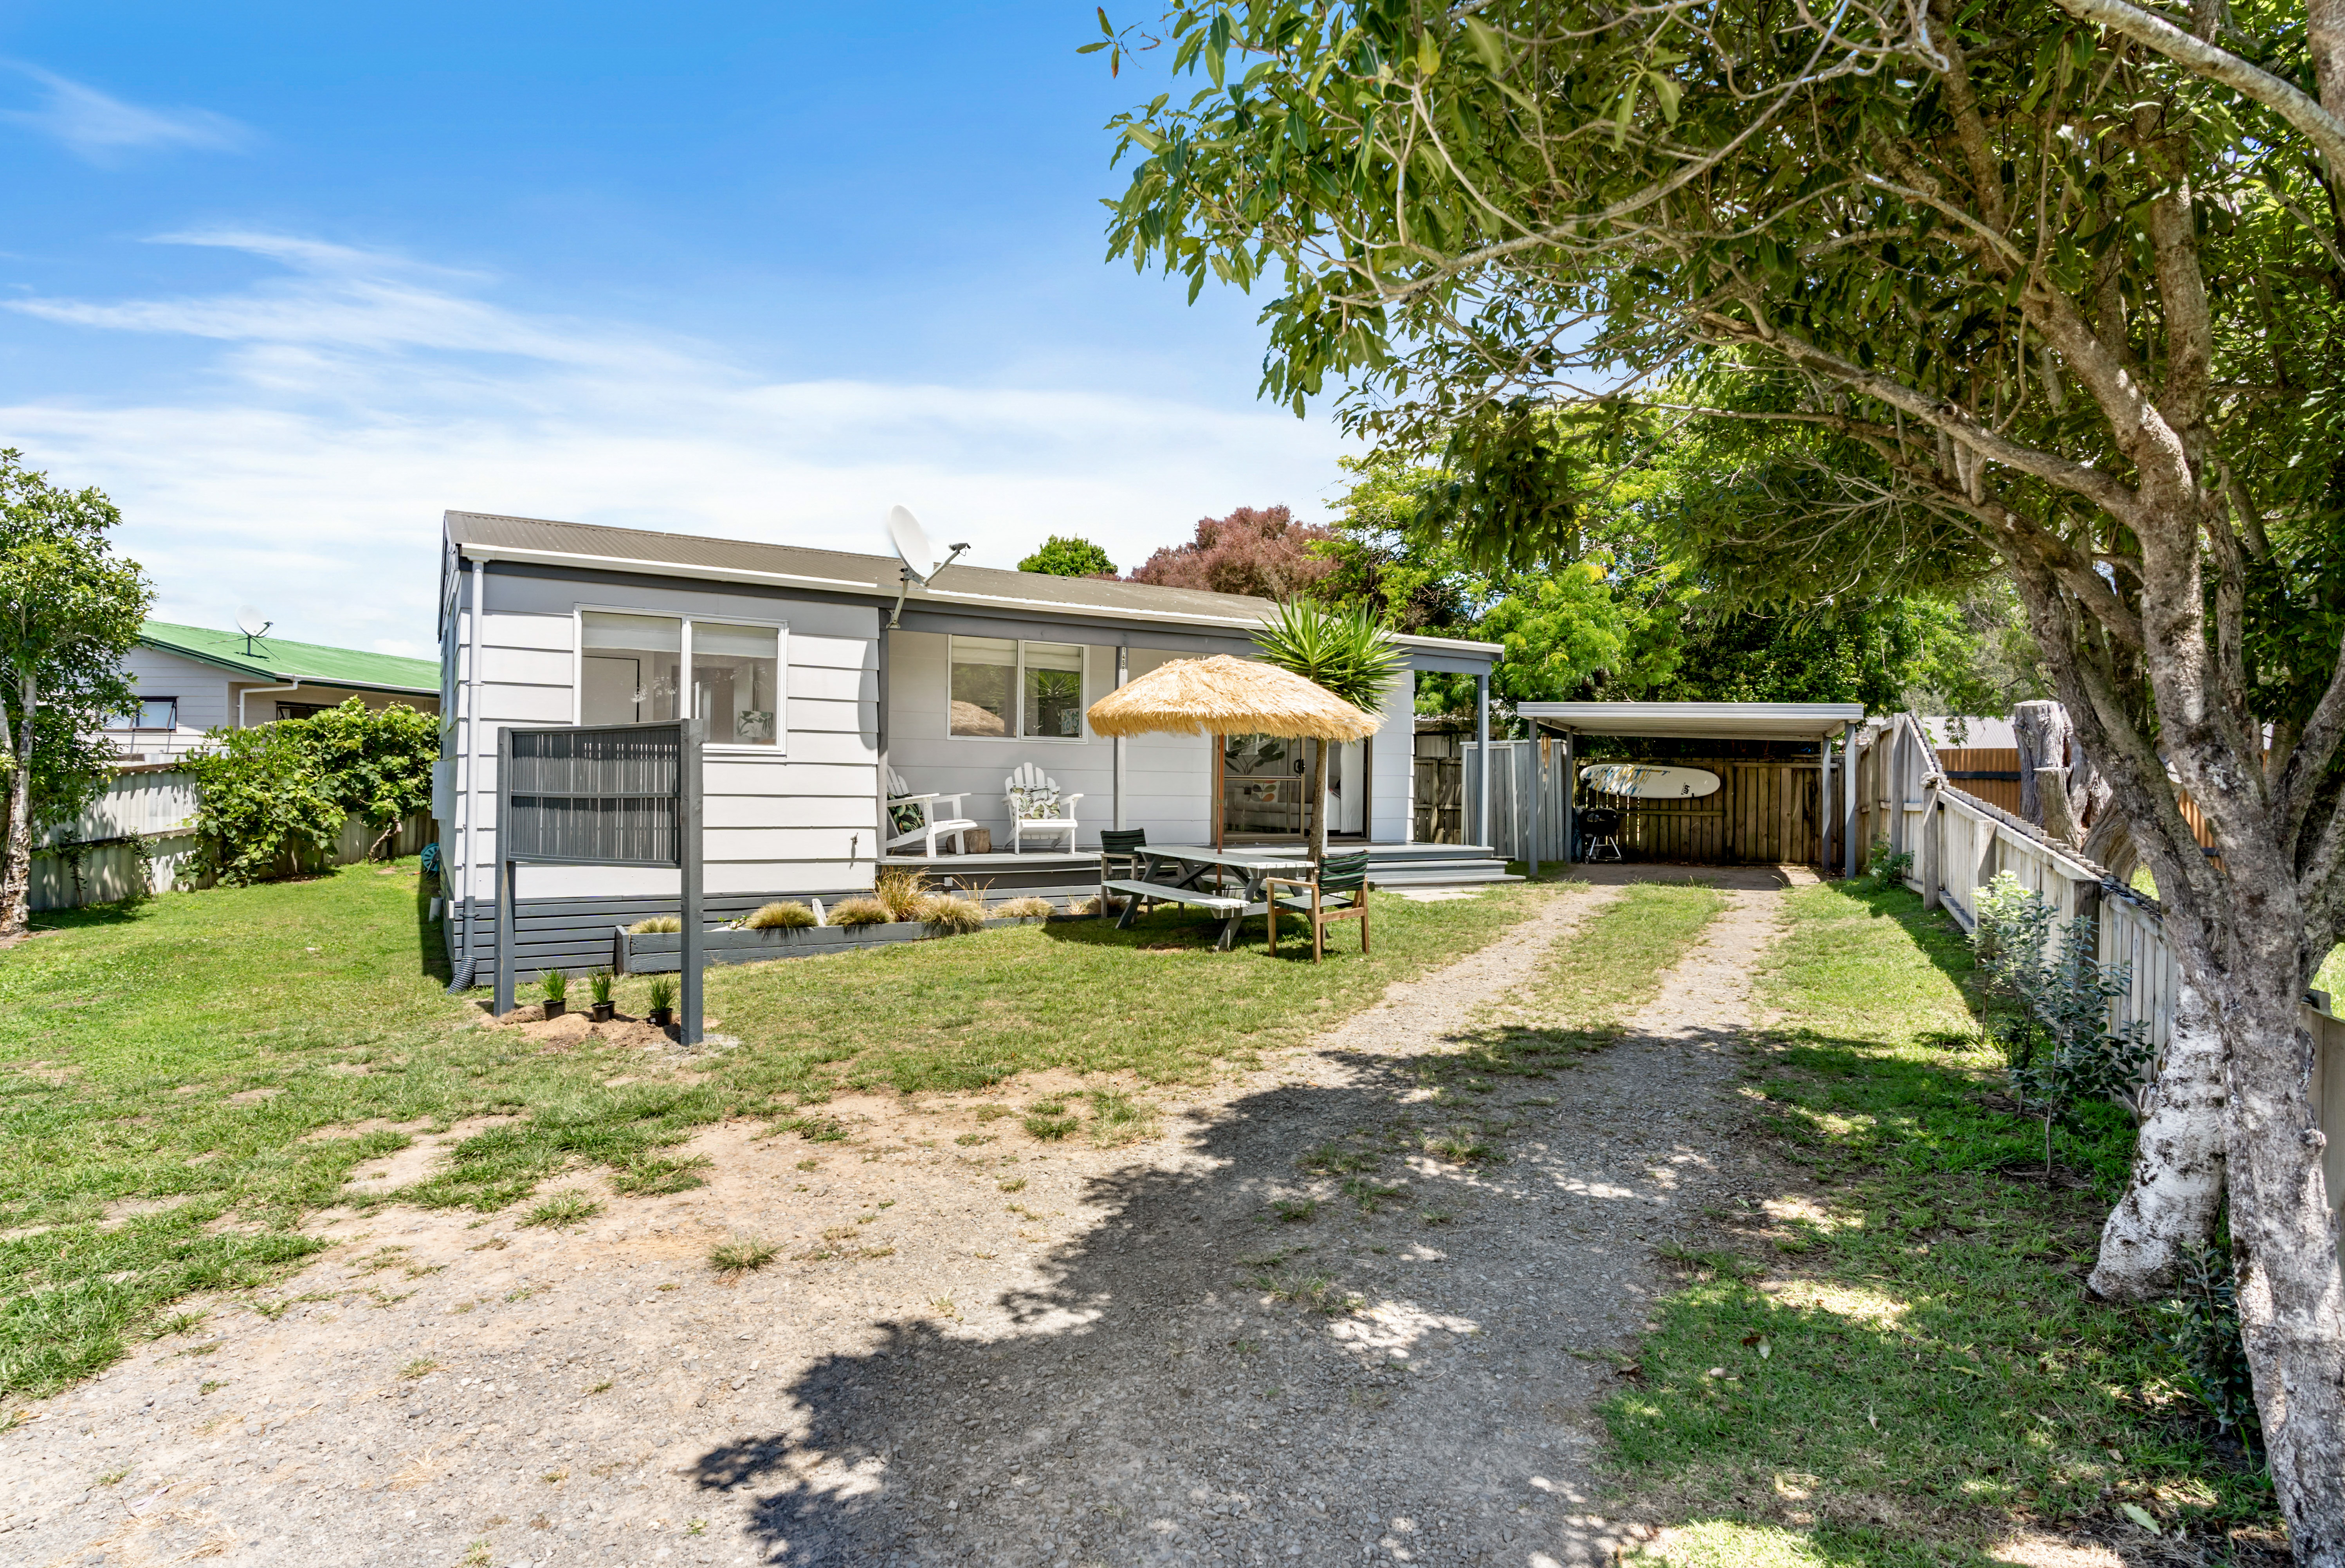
(1171, 874)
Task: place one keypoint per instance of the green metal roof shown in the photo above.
(282, 660)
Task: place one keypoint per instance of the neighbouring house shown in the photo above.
(194, 679)
(137, 834)
(817, 694)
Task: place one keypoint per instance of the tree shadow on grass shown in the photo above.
(1190, 1380)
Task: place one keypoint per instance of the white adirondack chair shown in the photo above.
(1036, 807)
(924, 818)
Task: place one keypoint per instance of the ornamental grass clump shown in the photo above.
(651, 925)
(1027, 907)
(950, 913)
(784, 914)
(859, 911)
(901, 892)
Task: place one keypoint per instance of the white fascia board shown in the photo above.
(1447, 644)
(667, 568)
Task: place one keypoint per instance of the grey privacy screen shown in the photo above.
(610, 795)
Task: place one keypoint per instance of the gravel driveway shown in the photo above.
(975, 1347)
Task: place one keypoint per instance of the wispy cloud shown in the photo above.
(102, 128)
(356, 395)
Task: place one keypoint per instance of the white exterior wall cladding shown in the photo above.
(802, 820)
(797, 818)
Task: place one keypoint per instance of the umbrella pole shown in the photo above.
(1219, 805)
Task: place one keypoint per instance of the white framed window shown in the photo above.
(156, 713)
(634, 668)
(1006, 689)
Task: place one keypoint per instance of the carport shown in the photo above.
(1776, 764)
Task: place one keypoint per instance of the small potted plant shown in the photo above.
(554, 986)
(663, 1008)
(598, 985)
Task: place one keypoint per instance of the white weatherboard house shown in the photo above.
(813, 706)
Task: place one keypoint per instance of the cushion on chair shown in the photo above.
(908, 817)
(1038, 803)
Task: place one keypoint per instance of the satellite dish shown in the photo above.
(249, 621)
(919, 556)
(912, 543)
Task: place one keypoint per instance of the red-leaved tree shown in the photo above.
(1257, 550)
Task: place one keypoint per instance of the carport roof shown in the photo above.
(1698, 720)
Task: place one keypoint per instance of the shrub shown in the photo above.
(262, 807)
(859, 911)
(652, 924)
(2204, 1329)
(273, 798)
(901, 891)
(948, 913)
(2050, 1014)
(1886, 866)
(787, 914)
(1028, 908)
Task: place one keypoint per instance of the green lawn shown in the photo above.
(185, 1050)
(1909, 1368)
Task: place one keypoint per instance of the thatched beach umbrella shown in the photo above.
(1227, 696)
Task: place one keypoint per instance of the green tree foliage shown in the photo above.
(1065, 556)
(1344, 651)
(70, 609)
(271, 800)
(1630, 617)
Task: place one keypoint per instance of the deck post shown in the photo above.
(1848, 802)
(1538, 779)
(1570, 788)
(879, 741)
(1123, 674)
(694, 942)
(1482, 749)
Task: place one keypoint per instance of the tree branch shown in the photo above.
(2318, 125)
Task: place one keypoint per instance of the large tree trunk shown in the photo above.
(2292, 1301)
(16, 873)
(2176, 1192)
(2040, 731)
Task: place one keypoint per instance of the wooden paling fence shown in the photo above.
(1960, 841)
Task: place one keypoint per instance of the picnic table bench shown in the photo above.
(1190, 865)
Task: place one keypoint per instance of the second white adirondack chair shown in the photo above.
(1036, 807)
(924, 818)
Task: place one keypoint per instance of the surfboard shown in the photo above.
(1649, 780)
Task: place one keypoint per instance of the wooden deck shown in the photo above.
(1055, 874)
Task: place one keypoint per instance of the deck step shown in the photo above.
(1485, 875)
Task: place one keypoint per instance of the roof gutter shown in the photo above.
(243, 718)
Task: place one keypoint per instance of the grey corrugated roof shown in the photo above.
(841, 571)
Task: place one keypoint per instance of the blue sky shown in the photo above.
(289, 280)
